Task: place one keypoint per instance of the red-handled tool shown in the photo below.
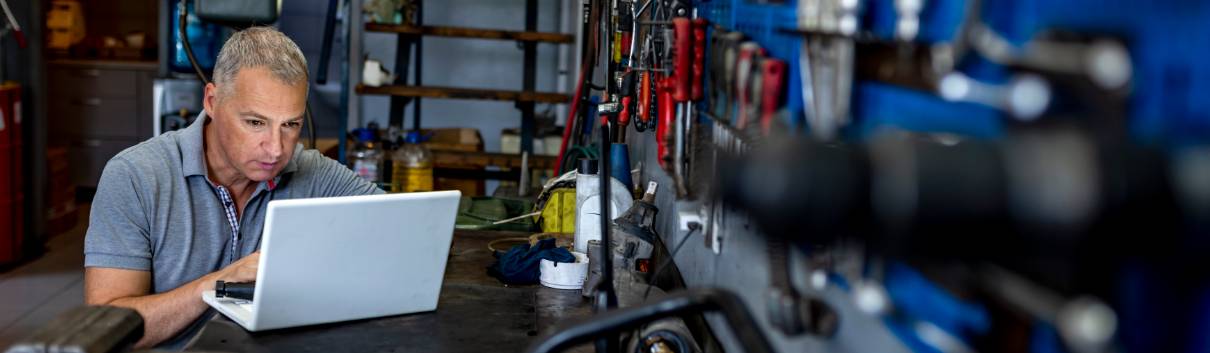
(699, 57)
(772, 78)
(681, 69)
(17, 33)
(748, 52)
(664, 125)
(644, 107)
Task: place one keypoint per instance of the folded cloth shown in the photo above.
(520, 264)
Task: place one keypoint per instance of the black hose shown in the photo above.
(310, 125)
(182, 16)
(321, 73)
(693, 301)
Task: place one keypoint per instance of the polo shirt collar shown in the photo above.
(193, 155)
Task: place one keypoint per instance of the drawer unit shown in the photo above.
(97, 109)
(88, 158)
(78, 82)
(95, 117)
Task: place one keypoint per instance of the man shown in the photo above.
(177, 212)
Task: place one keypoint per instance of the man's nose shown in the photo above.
(273, 145)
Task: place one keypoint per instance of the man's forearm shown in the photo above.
(166, 314)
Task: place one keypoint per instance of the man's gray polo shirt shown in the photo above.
(156, 210)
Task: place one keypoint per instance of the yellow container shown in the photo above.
(559, 214)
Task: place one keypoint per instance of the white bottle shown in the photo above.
(366, 156)
(588, 203)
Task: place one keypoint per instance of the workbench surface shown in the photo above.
(476, 313)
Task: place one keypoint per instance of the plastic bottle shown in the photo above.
(588, 203)
(413, 166)
(366, 158)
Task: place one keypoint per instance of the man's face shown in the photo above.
(257, 123)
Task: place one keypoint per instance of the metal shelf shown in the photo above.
(485, 159)
(466, 32)
(464, 93)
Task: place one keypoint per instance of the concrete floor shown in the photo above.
(34, 293)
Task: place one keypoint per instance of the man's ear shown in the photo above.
(209, 98)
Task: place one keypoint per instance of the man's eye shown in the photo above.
(254, 123)
(293, 124)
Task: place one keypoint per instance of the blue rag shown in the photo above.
(520, 264)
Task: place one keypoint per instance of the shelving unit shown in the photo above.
(403, 92)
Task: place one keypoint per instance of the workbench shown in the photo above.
(475, 313)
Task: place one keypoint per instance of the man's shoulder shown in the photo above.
(158, 154)
(312, 162)
(315, 175)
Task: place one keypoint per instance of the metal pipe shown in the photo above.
(528, 76)
(419, 64)
(562, 52)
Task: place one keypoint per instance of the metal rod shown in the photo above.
(403, 57)
(419, 64)
(634, 31)
(527, 77)
(642, 9)
(655, 69)
(352, 43)
(606, 298)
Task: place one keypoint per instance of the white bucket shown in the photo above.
(564, 275)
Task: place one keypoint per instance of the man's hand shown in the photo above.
(242, 270)
(164, 314)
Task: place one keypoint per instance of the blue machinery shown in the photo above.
(922, 175)
(1150, 52)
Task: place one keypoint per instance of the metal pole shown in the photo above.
(528, 76)
(419, 64)
(606, 298)
(403, 54)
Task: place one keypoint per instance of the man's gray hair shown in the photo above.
(263, 47)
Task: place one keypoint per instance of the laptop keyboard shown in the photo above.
(246, 305)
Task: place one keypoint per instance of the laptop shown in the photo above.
(346, 258)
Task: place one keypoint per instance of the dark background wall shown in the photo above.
(25, 66)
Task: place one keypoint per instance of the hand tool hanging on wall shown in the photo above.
(681, 94)
(749, 52)
(772, 81)
(695, 70)
(666, 112)
(677, 96)
(722, 43)
(826, 62)
(699, 59)
(644, 108)
(12, 23)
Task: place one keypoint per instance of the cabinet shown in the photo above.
(96, 109)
